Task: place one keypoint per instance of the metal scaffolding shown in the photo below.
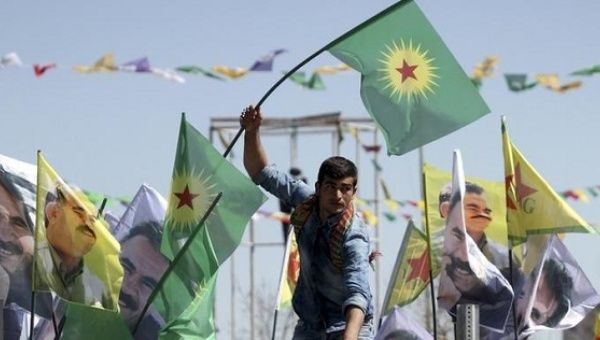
(321, 124)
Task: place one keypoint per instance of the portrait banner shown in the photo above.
(492, 193)
(76, 256)
(467, 277)
(557, 294)
(17, 216)
(140, 233)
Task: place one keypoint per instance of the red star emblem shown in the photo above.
(509, 202)
(185, 198)
(522, 189)
(419, 267)
(407, 71)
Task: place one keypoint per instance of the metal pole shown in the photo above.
(232, 305)
(294, 147)
(377, 236)
(428, 293)
(467, 322)
(232, 294)
(252, 302)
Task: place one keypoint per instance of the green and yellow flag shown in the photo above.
(411, 271)
(289, 272)
(410, 82)
(597, 327)
(533, 207)
(83, 322)
(199, 174)
(76, 256)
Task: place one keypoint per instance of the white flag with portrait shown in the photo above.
(557, 294)
(467, 277)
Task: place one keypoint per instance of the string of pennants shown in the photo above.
(107, 63)
(519, 82)
(516, 82)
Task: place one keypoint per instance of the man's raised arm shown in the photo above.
(255, 157)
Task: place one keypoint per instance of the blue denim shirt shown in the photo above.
(323, 292)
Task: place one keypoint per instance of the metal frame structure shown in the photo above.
(327, 123)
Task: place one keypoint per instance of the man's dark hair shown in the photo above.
(561, 285)
(150, 230)
(9, 182)
(337, 168)
(57, 196)
(470, 188)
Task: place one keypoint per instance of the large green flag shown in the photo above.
(533, 207)
(411, 84)
(199, 174)
(83, 322)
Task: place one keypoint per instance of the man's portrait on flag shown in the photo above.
(551, 300)
(68, 237)
(16, 245)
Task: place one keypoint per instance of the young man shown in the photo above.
(333, 298)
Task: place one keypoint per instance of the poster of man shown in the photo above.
(17, 212)
(76, 256)
(485, 214)
(144, 265)
(556, 294)
(467, 276)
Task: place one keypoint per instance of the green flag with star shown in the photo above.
(410, 82)
(200, 173)
(410, 275)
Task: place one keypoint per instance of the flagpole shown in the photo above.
(286, 255)
(510, 275)
(311, 57)
(32, 311)
(175, 261)
(431, 288)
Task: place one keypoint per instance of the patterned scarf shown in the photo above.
(300, 216)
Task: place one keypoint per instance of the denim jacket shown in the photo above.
(323, 292)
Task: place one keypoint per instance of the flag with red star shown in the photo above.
(533, 207)
(411, 271)
(200, 173)
(411, 84)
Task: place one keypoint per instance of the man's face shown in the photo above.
(545, 303)
(143, 267)
(70, 228)
(458, 268)
(477, 214)
(16, 240)
(335, 195)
